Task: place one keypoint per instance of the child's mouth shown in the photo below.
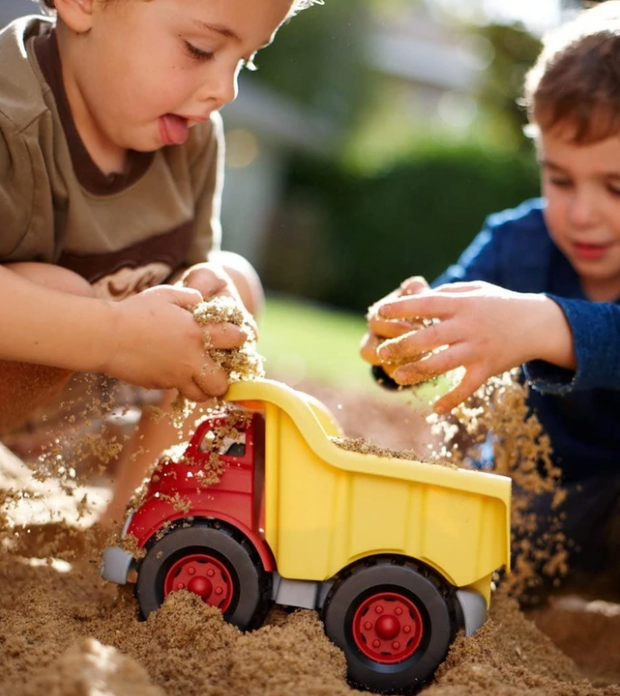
(173, 129)
(590, 252)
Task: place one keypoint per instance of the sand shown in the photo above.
(65, 631)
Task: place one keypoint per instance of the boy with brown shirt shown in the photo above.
(110, 180)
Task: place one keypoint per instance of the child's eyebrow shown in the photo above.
(224, 31)
(548, 163)
(552, 165)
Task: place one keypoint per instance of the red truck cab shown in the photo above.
(178, 489)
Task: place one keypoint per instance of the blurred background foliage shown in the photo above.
(419, 151)
(347, 239)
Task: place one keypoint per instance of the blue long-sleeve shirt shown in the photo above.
(580, 410)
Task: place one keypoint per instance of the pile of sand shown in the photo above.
(64, 631)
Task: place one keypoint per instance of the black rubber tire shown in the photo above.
(251, 584)
(430, 598)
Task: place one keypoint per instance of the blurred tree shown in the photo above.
(515, 51)
(317, 60)
(346, 238)
(346, 234)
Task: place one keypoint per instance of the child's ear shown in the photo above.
(76, 14)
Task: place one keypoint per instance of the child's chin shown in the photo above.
(146, 144)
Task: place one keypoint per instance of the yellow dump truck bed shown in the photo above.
(327, 507)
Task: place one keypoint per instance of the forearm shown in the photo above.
(550, 336)
(595, 328)
(150, 339)
(51, 327)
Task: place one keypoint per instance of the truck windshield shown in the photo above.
(231, 446)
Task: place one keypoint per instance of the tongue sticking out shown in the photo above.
(174, 129)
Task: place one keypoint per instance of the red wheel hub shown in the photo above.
(387, 627)
(203, 575)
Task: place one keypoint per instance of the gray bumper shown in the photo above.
(474, 609)
(116, 564)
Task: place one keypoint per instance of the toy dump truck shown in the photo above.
(395, 554)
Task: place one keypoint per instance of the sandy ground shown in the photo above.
(64, 631)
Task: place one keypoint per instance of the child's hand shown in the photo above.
(159, 344)
(380, 329)
(482, 328)
(211, 280)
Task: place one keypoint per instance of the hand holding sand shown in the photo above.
(159, 344)
(381, 328)
(223, 340)
(482, 328)
(221, 311)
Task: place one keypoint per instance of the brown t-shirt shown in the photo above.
(123, 233)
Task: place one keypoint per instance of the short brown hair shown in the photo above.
(575, 83)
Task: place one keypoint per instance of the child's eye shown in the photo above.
(614, 190)
(562, 183)
(197, 53)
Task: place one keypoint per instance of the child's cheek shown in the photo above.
(555, 217)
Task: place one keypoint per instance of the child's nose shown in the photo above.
(221, 88)
(582, 210)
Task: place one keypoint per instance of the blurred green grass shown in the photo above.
(305, 341)
(301, 341)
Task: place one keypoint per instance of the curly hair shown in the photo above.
(575, 83)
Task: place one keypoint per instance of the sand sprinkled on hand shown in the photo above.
(240, 363)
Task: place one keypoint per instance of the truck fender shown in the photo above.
(151, 517)
(473, 608)
(116, 562)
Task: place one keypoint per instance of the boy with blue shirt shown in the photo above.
(540, 285)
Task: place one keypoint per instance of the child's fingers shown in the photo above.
(183, 297)
(413, 285)
(212, 379)
(208, 280)
(224, 335)
(428, 305)
(430, 366)
(368, 348)
(468, 286)
(193, 392)
(388, 329)
(418, 342)
(472, 380)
